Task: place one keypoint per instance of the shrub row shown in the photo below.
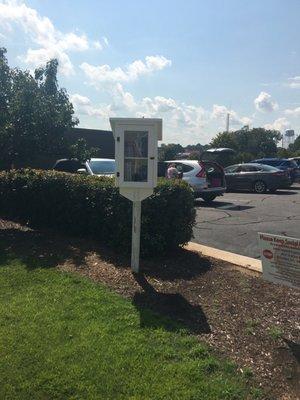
(92, 207)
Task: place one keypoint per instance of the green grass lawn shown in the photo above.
(65, 337)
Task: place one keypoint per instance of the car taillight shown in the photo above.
(202, 172)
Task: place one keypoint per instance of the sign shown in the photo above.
(136, 142)
(280, 256)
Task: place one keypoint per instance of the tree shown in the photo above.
(5, 97)
(295, 147)
(81, 152)
(35, 113)
(225, 139)
(283, 153)
(169, 151)
(194, 155)
(248, 144)
(194, 147)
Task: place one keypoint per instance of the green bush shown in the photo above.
(91, 206)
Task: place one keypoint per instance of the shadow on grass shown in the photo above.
(47, 249)
(36, 249)
(174, 307)
(39, 250)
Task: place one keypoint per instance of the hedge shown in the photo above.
(92, 207)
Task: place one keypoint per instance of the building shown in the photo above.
(103, 140)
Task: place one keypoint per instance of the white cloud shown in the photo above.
(189, 118)
(50, 41)
(220, 113)
(294, 82)
(280, 124)
(83, 106)
(105, 40)
(121, 98)
(179, 115)
(101, 111)
(73, 42)
(159, 104)
(182, 123)
(98, 75)
(264, 103)
(156, 63)
(293, 112)
(40, 56)
(79, 100)
(97, 44)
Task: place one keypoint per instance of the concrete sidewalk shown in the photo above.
(249, 263)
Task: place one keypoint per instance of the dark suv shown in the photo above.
(282, 163)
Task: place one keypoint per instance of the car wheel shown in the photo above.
(259, 187)
(209, 198)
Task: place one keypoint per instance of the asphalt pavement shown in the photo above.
(232, 221)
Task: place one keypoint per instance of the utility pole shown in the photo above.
(227, 123)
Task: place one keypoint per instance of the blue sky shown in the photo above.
(188, 62)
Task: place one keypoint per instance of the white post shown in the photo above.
(136, 233)
(227, 123)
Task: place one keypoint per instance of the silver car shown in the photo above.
(101, 166)
(94, 166)
(206, 178)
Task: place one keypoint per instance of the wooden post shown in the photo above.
(136, 234)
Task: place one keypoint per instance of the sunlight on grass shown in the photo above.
(65, 337)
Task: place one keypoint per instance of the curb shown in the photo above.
(248, 263)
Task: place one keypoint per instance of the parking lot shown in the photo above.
(232, 222)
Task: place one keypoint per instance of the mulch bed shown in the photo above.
(252, 322)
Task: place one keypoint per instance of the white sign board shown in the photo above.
(136, 142)
(280, 256)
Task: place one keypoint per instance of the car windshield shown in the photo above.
(103, 166)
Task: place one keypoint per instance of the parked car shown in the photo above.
(94, 166)
(206, 178)
(256, 177)
(282, 163)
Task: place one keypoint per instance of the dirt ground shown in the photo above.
(252, 322)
